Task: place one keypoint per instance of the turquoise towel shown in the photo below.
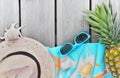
(84, 61)
(80, 60)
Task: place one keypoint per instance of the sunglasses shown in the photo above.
(79, 39)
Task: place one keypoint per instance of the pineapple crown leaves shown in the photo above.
(103, 22)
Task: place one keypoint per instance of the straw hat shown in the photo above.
(22, 57)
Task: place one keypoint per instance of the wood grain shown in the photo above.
(9, 14)
(38, 18)
(70, 19)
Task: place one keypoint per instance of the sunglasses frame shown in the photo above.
(76, 44)
(83, 32)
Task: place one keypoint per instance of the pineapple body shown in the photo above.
(112, 59)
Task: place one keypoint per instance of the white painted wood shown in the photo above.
(116, 8)
(9, 14)
(38, 19)
(98, 2)
(70, 19)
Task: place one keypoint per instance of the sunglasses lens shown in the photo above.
(81, 37)
(65, 49)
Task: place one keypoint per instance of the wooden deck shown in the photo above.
(52, 22)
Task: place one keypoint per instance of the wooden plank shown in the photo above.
(116, 8)
(38, 18)
(70, 19)
(9, 14)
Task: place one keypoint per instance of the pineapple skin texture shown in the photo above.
(112, 59)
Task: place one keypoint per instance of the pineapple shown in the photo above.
(104, 23)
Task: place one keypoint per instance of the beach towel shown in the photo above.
(81, 59)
